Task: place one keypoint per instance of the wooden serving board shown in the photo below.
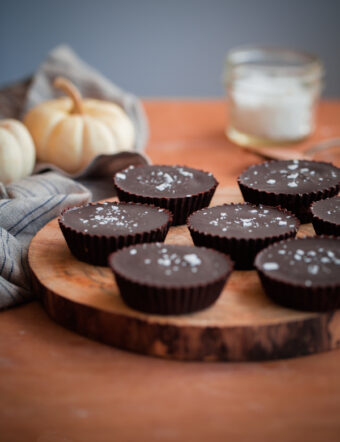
(242, 325)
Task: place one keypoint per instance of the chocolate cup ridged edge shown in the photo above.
(300, 298)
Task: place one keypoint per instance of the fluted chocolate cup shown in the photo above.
(293, 185)
(179, 189)
(169, 279)
(95, 230)
(241, 230)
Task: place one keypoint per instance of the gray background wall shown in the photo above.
(165, 48)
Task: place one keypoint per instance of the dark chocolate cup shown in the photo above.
(298, 296)
(298, 203)
(241, 250)
(160, 300)
(180, 207)
(95, 249)
(323, 227)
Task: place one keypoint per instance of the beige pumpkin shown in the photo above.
(17, 152)
(70, 131)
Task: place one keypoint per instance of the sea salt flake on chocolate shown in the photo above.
(164, 262)
(168, 178)
(192, 259)
(184, 172)
(292, 176)
(162, 186)
(313, 269)
(270, 266)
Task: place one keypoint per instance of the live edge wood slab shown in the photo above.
(242, 325)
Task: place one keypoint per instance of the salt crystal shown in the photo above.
(270, 266)
(192, 259)
(164, 262)
(313, 269)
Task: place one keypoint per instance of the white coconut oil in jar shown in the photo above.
(272, 95)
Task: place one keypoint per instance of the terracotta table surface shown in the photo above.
(56, 386)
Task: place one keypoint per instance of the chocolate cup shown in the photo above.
(180, 207)
(95, 249)
(241, 250)
(298, 296)
(156, 298)
(323, 227)
(299, 204)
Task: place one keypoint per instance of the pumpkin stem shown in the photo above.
(72, 91)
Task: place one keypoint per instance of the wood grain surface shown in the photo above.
(242, 325)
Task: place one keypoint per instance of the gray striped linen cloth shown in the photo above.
(25, 207)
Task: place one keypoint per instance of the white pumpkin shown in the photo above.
(17, 152)
(70, 131)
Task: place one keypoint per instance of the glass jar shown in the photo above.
(272, 95)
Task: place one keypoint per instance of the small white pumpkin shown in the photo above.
(70, 131)
(17, 152)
